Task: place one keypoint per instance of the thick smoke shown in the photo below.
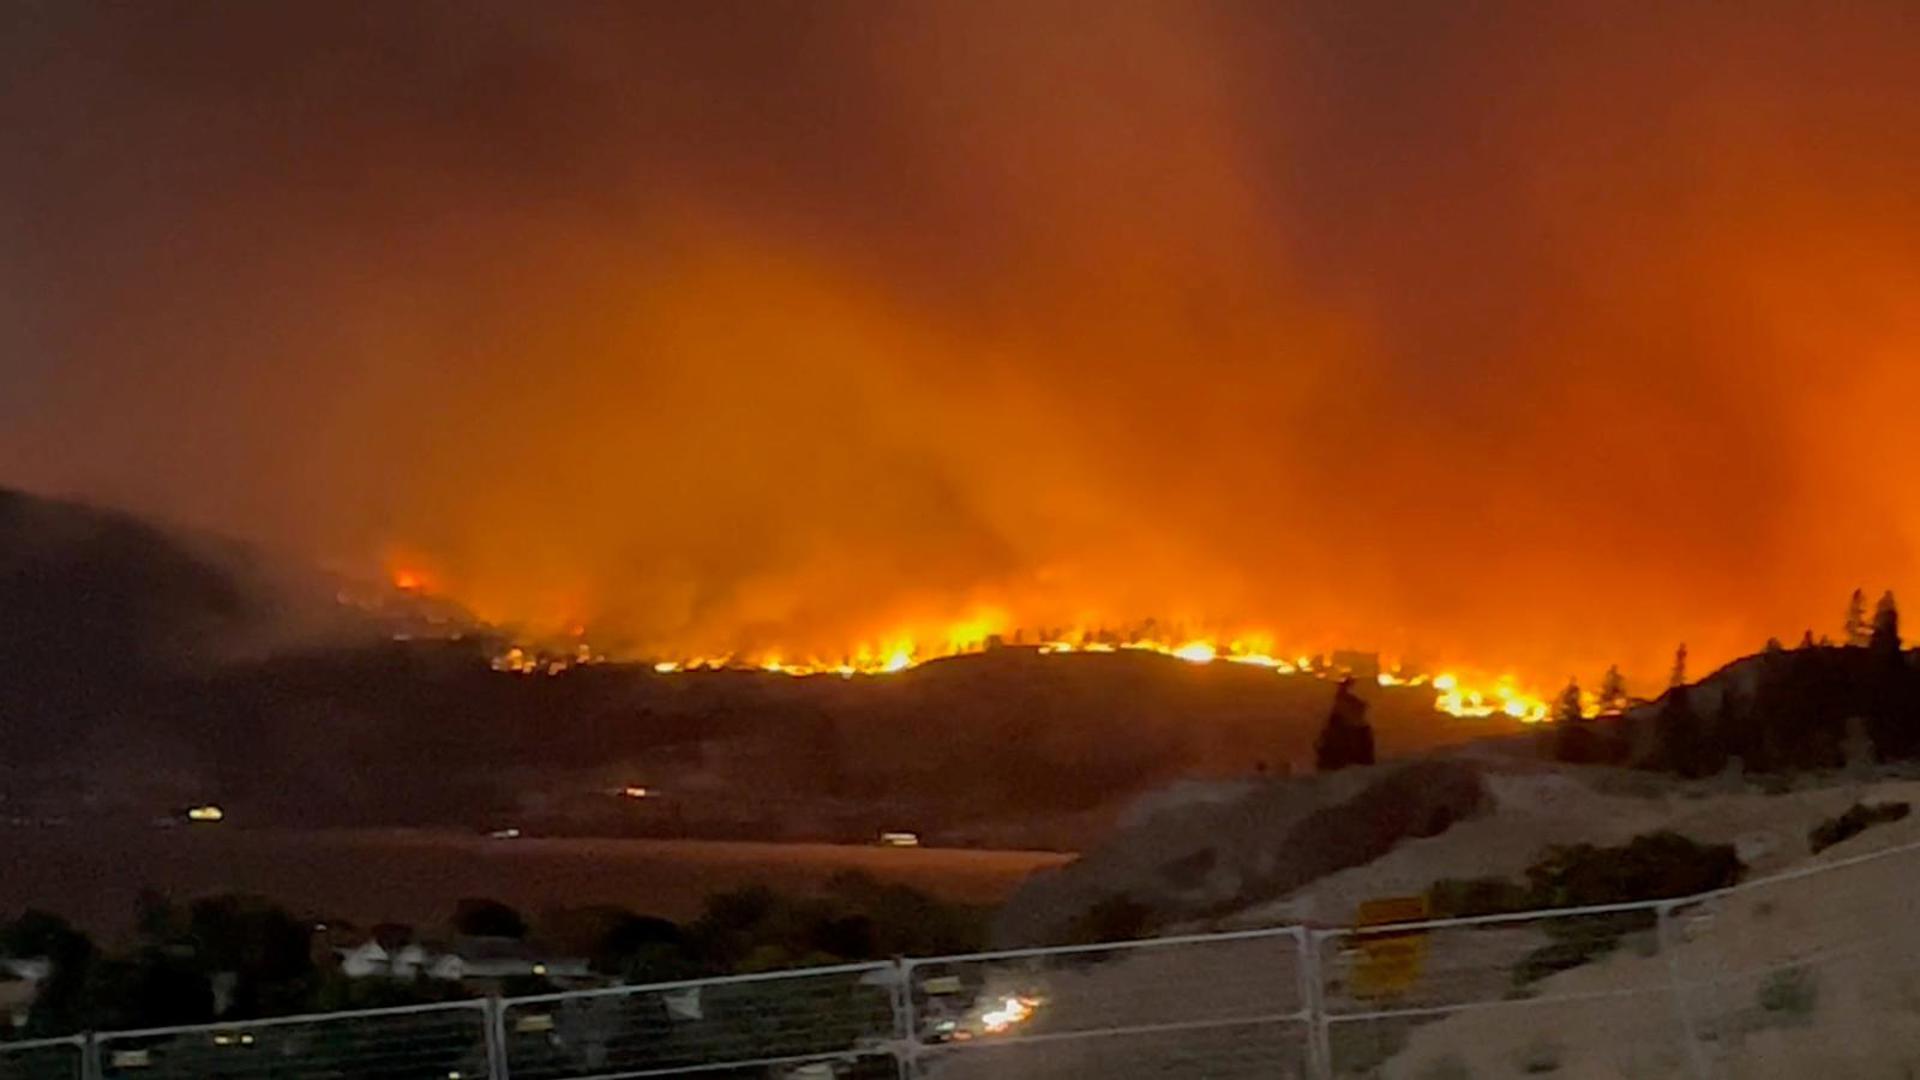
(1529, 335)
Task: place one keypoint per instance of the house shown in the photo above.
(410, 961)
(467, 960)
(20, 982)
(496, 958)
(365, 959)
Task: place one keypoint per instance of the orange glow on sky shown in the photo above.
(1516, 338)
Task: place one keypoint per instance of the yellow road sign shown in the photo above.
(1387, 964)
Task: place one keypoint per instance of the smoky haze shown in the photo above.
(1537, 336)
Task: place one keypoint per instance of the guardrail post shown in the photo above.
(494, 1012)
(1668, 935)
(906, 1026)
(1313, 1004)
(91, 1065)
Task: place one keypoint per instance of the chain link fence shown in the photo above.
(839, 1021)
(1812, 973)
(1223, 1005)
(442, 1042)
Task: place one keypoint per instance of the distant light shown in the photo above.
(899, 839)
(539, 969)
(636, 792)
(208, 812)
(666, 667)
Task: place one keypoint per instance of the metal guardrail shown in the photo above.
(1215, 1005)
(1696, 988)
(785, 1019)
(44, 1059)
(445, 1042)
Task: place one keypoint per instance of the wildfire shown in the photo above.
(1501, 696)
(1454, 694)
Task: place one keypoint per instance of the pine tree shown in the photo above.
(1613, 691)
(1807, 641)
(1774, 648)
(1886, 625)
(1576, 738)
(1679, 676)
(1857, 631)
(1566, 710)
(1347, 738)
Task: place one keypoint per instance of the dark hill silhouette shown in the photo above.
(146, 670)
(1814, 707)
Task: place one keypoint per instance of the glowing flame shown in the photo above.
(1500, 697)
(1196, 652)
(1010, 1013)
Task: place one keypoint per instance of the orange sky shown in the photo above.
(1522, 335)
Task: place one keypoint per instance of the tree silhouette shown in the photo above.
(1576, 737)
(1613, 691)
(1348, 738)
(480, 917)
(1886, 625)
(1679, 676)
(1566, 708)
(1856, 629)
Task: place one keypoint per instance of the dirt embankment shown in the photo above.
(1206, 857)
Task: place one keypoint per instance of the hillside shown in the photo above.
(149, 670)
(1805, 969)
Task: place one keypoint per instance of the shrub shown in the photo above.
(1652, 866)
(1459, 898)
(1858, 819)
(1576, 942)
(1540, 1057)
(1791, 993)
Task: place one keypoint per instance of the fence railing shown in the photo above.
(1754, 980)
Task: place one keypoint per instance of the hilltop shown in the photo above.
(149, 669)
